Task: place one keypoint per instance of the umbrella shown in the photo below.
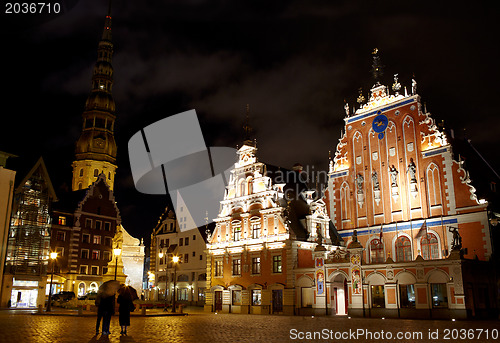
(108, 288)
(128, 292)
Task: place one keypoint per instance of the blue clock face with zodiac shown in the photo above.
(379, 125)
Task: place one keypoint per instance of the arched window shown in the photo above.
(250, 185)
(96, 172)
(430, 247)
(183, 278)
(241, 188)
(93, 287)
(81, 289)
(81, 171)
(403, 249)
(376, 251)
(80, 186)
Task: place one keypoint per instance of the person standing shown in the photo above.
(126, 306)
(105, 310)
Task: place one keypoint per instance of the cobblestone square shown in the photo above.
(210, 328)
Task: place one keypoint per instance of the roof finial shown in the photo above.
(247, 128)
(376, 67)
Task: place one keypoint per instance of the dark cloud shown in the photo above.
(294, 62)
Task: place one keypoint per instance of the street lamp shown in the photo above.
(53, 256)
(175, 260)
(116, 252)
(160, 255)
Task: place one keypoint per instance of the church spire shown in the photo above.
(95, 151)
(247, 128)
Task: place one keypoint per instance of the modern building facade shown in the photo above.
(27, 258)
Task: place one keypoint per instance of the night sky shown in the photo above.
(294, 62)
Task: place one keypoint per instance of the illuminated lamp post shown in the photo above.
(175, 260)
(116, 252)
(53, 257)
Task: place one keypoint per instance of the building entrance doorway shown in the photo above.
(217, 301)
(338, 295)
(277, 300)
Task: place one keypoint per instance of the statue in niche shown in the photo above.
(354, 236)
(359, 183)
(393, 172)
(456, 244)
(412, 171)
(376, 185)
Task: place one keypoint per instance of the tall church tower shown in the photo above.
(95, 151)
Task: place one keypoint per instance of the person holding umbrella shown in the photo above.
(126, 296)
(105, 302)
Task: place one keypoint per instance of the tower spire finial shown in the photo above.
(247, 128)
(376, 67)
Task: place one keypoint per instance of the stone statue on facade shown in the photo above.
(412, 171)
(456, 244)
(376, 185)
(413, 87)
(346, 108)
(359, 183)
(118, 238)
(393, 172)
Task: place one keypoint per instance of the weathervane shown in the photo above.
(396, 87)
(376, 67)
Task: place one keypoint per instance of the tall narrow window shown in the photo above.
(236, 266)
(407, 296)
(403, 249)
(218, 268)
(378, 297)
(376, 251)
(430, 247)
(255, 265)
(255, 231)
(277, 264)
(237, 233)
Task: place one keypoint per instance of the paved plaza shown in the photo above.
(18, 326)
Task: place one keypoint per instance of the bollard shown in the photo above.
(143, 310)
(40, 309)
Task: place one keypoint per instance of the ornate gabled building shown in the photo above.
(407, 212)
(266, 227)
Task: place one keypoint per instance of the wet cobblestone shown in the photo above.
(211, 328)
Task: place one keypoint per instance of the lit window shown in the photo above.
(256, 297)
(407, 296)
(277, 264)
(97, 240)
(376, 251)
(439, 295)
(255, 265)
(236, 297)
(378, 297)
(256, 231)
(403, 249)
(61, 220)
(430, 247)
(218, 268)
(236, 266)
(237, 233)
(95, 254)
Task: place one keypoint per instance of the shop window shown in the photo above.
(277, 264)
(236, 297)
(255, 265)
(376, 251)
(403, 249)
(201, 294)
(407, 296)
(430, 247)
(439, 295)
(256, 297)
(236, 266)
(378, 298)
(218, 268)
(182, 294)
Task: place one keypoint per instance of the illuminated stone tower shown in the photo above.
(95, 151)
